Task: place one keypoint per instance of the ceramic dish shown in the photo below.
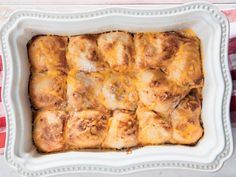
(210, 25)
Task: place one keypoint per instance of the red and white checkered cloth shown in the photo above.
(2, 115)
(231, 14)
(232, 65)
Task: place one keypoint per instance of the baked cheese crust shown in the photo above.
(116, 90)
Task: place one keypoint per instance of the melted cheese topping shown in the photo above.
(188, 33)
(186, 121)
(122, 131)
(47, 52)
(86, 129)
(48, 90)
(98, 90)
(117, 89)
(118, 92)
(116, 49)
(48, 131)
(186, 69)
(153, 129)
(84, 90)
(82, 54)
(158, 93)
(155, 49)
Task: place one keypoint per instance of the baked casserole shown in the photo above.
(115, 90)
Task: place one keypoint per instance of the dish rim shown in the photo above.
(223, 22)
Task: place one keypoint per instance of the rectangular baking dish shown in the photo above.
(210, 25)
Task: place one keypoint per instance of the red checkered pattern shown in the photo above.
(232, 65)
(231, 14)
(2, 116)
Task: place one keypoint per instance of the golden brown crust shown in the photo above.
(83, 90)
(186, 123)
(116, 49)
(155, 49)
(153, 129)
(47, 53)
(48, 131)
(177, 55)
(157, 93)
(119, 90)
(86, 129)
(122, 131)
(186, 68)
(83, 55)
(48, 90)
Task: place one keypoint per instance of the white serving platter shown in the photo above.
(212, 150)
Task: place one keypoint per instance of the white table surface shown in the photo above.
(6, 7)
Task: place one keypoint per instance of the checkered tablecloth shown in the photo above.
(2, 116)
(231, 14)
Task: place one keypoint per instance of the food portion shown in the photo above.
(86, 129)
(185, 120)
(122, 131)
(158, 93)
(48, 89)
(116, 49)
(118, 92)
(155, 50)
(186, 69)
(47, 52)
(115, 90)
(48, 130)
(83, 55)
(83, 90)
(153, 128)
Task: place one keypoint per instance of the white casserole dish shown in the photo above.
(211, 151)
